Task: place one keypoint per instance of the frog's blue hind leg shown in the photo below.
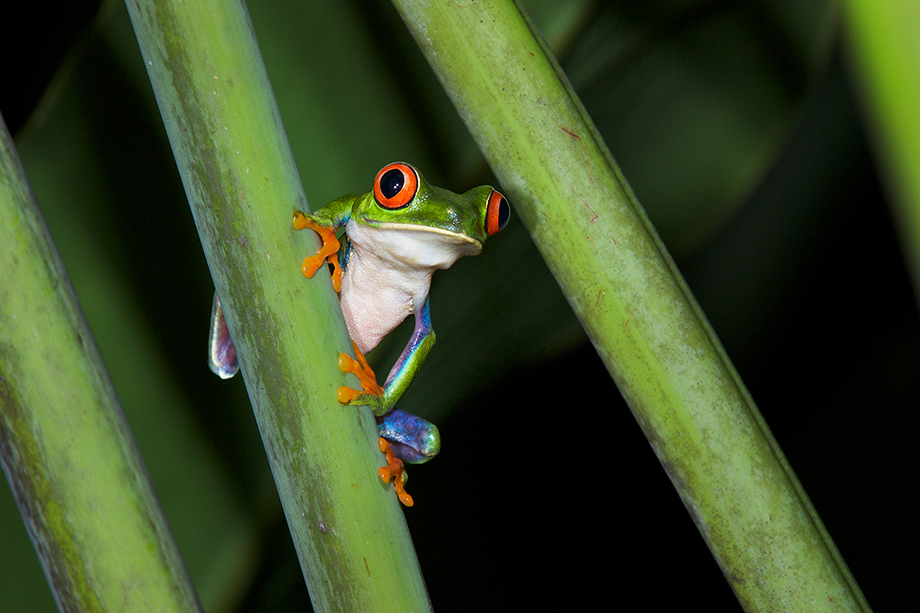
(412, 438)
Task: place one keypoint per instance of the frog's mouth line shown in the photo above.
(460, 238)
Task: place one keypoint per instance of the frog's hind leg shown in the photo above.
(405, 438)
(412, 438)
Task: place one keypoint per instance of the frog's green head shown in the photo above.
(403, 199)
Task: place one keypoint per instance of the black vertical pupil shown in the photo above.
(391, 183)
(504, 212)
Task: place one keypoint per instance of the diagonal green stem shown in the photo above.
(639, 313)
(66, 448)
(242, 186)
(885, 44)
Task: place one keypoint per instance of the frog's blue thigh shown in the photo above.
(412, 438)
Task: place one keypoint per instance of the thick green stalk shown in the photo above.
(639, 313)
(66, 448)
(242, 185)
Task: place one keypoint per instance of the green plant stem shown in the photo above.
(242, 186)
(66, 448)
(639, 313)
(885, 44)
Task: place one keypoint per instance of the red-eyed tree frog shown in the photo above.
(396, 236)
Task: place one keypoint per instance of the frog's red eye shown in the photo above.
(498, 212)
(396, 185)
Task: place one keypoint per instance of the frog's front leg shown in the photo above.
(326, 223)
(328, 250)
(382, 400)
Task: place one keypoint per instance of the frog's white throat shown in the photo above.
(412, 245)
(389, 274)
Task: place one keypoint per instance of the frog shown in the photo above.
(395, 237)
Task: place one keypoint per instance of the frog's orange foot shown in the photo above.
(365, 374)
(395, 472)
(329, 249)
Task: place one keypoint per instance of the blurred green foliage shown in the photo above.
(735, 125)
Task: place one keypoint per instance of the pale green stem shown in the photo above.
(242, 185)
(639, 313)
(66, 448)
